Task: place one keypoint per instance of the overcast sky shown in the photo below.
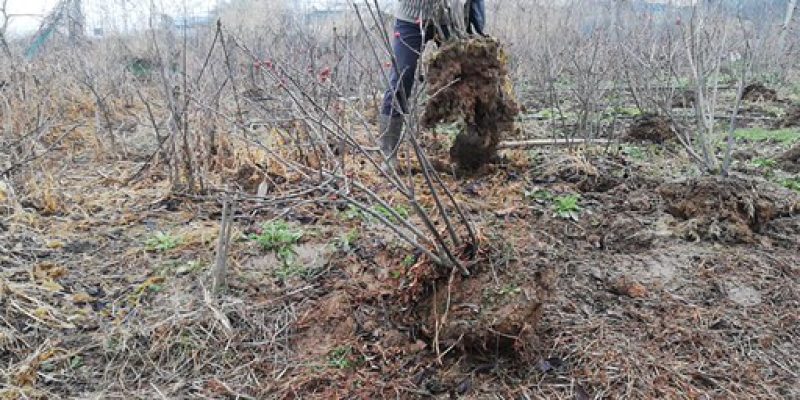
(99, 12)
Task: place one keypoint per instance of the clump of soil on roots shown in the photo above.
(758, 92)
(468, 84)
(724, 210)
(650, 127)
(491, 312)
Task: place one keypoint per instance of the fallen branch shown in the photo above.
(527, 144)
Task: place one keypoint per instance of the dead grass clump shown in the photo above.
(468, 84)
(588, 172)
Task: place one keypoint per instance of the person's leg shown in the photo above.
(407, 48)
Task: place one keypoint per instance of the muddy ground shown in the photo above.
(659, 283)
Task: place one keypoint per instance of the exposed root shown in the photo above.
(468, 85)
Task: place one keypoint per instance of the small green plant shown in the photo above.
(400, 210)
(792, 183)
(190, 267)
(287, 270)
(765, 164)
(567, 207)
(279, 237)
(627, 111)
(341, 358)
(162, 242)
(346, 241)
(354, 212)
(635, 153)
(397, 273)
(409, 261)
(540, 195)
(509, 290)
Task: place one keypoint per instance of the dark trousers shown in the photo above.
(409, 39)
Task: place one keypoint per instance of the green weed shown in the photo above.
(765, 163)
(346, 241)
(509, 290)
(539, 195)
(279, 237)
(342, 358)
(162, 242)
(627, 111)
(567, 207)
(635, 153)
(792, 183)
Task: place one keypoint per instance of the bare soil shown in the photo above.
(661, 284)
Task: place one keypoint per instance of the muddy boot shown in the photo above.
(391, 130)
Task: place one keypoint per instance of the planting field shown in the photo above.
(579, 215)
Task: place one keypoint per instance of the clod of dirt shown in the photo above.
(684, 99)
(468, 84)
(790, 160)
(485, 313)
(758, 92)
(651, 127)
(725, 210)
(626, 286)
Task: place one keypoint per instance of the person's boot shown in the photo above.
(391, 130)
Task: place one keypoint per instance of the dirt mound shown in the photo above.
(651, 127)
(758, 92)
(726, 210)
(468, 85)
(791, 119)
(491, 312)
(790, 160)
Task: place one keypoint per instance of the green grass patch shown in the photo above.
(783, 136)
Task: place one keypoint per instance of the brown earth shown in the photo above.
(792, 117)
(651, 127)
(615, 302)
(728, 210)
(790, 160)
